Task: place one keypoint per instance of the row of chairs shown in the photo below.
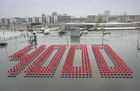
(69, 70)
(36, 69)
(121, 70)
(15, 70)
(119, 63)
(21, 52)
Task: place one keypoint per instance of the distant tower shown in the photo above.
(43, 17)
(54, 14)
(55, 17)
(107, 13)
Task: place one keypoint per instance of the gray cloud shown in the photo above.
(24, 8)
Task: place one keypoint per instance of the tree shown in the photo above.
(96, 26)
(103, 27)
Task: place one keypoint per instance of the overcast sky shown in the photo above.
(25, 8)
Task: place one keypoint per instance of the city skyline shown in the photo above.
(78, 8)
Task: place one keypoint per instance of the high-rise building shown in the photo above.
(54, 14)
(97, 19)
(5, 21)
(19, 20)
(128, 18)
(36, 20)
(50, 19)
(43, 18)
(78, 19)
(102, 19)
(63, 18)
(112, 18)
(92, 18)
(29, 20)
(55, 17)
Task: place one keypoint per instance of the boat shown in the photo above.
(85, 32)
(42, 29)
(138, 28)
(61, 32)
(21, 30)
(47, 31)
(107, 32)
(3, 44)
(30, 30)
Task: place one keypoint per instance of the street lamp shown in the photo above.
(103, 28)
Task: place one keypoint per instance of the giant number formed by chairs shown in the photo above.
(69, 70)
(120, 70)
(36, 69)
(28, 58)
